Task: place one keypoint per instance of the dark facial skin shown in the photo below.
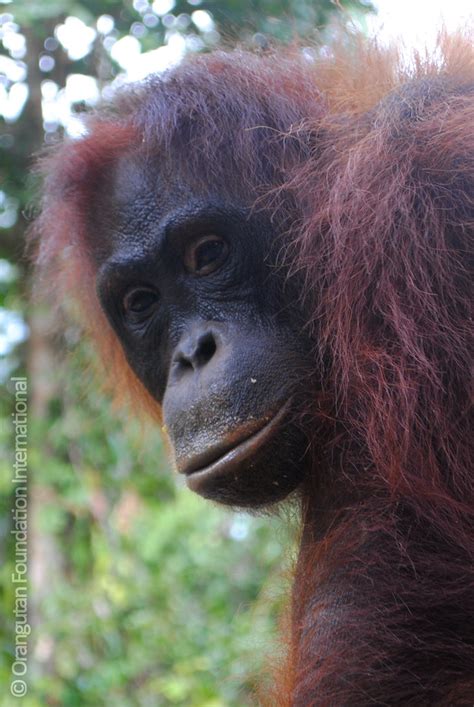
(188, 282)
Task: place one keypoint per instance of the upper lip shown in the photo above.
(237, 445)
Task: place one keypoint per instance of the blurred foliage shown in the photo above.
(149, 594)
(140, 592)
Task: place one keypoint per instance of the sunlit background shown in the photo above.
(416, 23)
(140, 593)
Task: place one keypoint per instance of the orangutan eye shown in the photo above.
(140, 300)
(205, 255)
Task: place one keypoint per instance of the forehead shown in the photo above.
(143, 196)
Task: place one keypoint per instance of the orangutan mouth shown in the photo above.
(229, 454)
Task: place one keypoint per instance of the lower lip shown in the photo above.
(230, 462)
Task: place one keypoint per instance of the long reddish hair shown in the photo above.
(369, 164)
(383, 603)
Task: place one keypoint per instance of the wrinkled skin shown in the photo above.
(219, 347)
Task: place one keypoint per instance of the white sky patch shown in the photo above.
(56, 103)
(13, 41)
(80, 87)
(49, 90)
(239, 528)
(14, 70)
(74, 126)
(76, 37)
(12, 101)
(8, 271)
(417, 22)
(8, 210)
(157, 60)
(105, 24)
(13, 331)
(127, 53)
(162, 7)
(203, 20)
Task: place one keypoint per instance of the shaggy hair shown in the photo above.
(369, 166)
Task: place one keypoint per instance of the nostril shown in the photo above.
(206, 349)
(184, 362)
(195, 353)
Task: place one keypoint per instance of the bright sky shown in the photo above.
(416, 22)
